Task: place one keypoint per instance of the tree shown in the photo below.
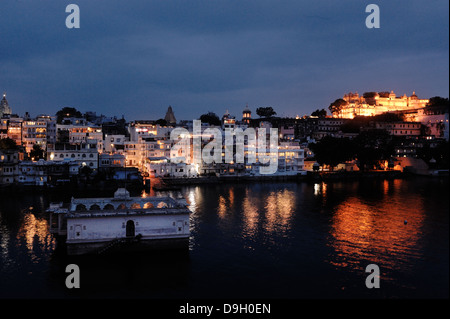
(37, 152)
(332, 150)
(7, 144)
(210, 118)
(370, 97)
(85, 172)
(439, 154)
(438, 101)
(388, 117)
(265, 111)
(319, 113)
(337, 106)
(161, 122)
(373, 146)
(67, 112)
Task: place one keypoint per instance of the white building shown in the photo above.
(34, 132)
(85, 154)
(107, 161)
(9, 166)
(162, 167)
(99, 225)
(114, 142)
(42, 173)
(143, 129)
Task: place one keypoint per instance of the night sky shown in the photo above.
(135, 58)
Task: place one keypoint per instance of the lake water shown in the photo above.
(253, 240)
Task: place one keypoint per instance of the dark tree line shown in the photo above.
(368, 148)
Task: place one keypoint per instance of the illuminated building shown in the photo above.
(85, 154)
(290, 158)
(80, 134)
(113, 143)
(110, 161)
(287, 132)
(95, 225)
(15, 129)
(9, 169)
(327, 126)
(228, 121)
(42, 173)
(246, 115)
(377, 103)
(34, 132)
(143, 128)
(407, 129)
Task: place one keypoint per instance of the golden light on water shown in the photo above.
(382, 232)
(272, 213)
(251, 214)
(35, 230)
(222, 209)
(279, 208)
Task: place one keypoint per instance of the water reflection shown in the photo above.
(35, 230)
(251, 214)
(24, 236)
(223, 207)
(263, 239)
(320, 189)
(4, 241)
(384, 232)
(279, 208)
(191, 198)
(260, 215)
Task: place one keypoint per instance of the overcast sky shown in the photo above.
(135, 58)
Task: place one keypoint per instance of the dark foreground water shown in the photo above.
(265, 240)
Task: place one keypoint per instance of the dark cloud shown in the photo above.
(137, 57)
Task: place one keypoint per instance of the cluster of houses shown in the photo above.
(76, 146)
(95, 144)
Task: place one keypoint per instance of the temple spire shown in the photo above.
(170, 116)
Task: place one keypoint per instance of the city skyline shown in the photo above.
(138, 59)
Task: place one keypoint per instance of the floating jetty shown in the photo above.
(120, 223)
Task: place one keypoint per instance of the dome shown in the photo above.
(392, 95)
(122, 193)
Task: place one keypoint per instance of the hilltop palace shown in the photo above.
(378, 103)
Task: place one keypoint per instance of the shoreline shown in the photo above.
(174, 183)
(309, 177)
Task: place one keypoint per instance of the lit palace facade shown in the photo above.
(379, 103)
